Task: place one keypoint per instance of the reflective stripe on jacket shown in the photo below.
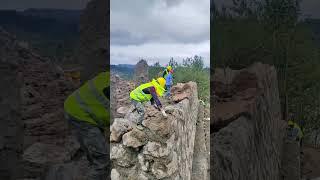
(89, 103)
(138, 94)
(165, 73)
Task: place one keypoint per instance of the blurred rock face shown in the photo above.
(36, 142)
(93, 54)
(247, 130)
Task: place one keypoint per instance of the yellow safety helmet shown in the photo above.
(169, 68)
(161, 81)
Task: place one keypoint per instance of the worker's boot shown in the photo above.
(131, 108)
(140, 126)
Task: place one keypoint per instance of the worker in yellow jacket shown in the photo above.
(87, 109)
(295, 132)
(150, 91)
(166, 71)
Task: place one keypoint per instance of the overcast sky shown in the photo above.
(153, 29)
(159, 29)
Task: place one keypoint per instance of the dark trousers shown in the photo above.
(94, 143)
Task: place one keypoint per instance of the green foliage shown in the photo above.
(155, 71)
(269, 32)
(192, 69)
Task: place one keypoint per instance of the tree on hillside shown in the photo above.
(173, 63)
(276, 38)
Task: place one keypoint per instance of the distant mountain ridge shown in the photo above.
(64, 15)
(124, 70)
(41, 20)
(52, 32)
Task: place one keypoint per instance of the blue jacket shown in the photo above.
(169, 79)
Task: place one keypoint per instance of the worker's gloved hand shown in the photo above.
(154, 105)
(164, 114)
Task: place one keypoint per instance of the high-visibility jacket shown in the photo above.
(300, 134)
(165, 73)
(138, 94)
(296, 126)
(89, 103)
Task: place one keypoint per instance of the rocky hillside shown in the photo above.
(247, 130)
(36, 141)
(40, 133)
(11, 126)
(173, 148)
(94, 51)
(141, 72)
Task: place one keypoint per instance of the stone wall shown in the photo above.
(247, 130)
(165, 148)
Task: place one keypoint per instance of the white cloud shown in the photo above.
(159, 30)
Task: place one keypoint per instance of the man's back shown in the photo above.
(169, 79)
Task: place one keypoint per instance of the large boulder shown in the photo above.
(141, 72)
(134, 138)
(119, 128)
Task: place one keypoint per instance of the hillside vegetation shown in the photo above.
(191, 69)
(270, 32)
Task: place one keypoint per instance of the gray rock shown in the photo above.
(159, 170)
(115, 175)
(134, 138)
(75, 170)
(118, 128)
(122, 110)
(121, 156)
(42, 154)
(143, 163)
(155, 149)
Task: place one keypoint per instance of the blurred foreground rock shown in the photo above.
(247, 130)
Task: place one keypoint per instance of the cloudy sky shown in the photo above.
(159, 29)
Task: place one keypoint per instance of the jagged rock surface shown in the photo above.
(120, 100)
(11, 126)
(165, 148)
(40, 144)
(248, 132)
(93, 53)
(42, 93)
